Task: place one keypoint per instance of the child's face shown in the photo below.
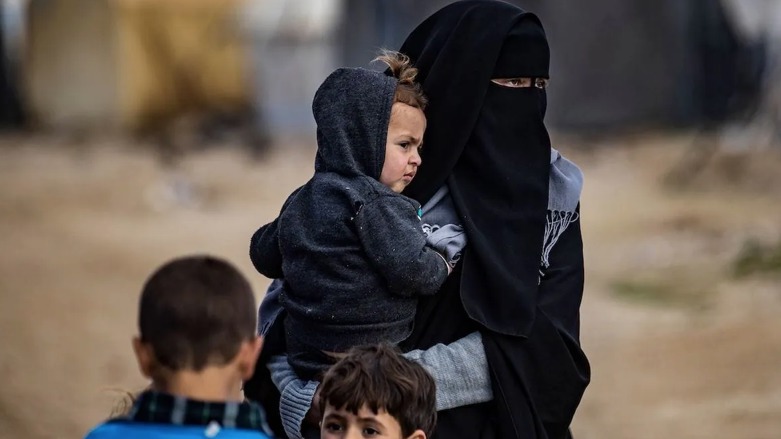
(344, 424)
(405, 137)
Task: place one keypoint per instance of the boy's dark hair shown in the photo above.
(379, 377)
(400, 67)
(195, 312)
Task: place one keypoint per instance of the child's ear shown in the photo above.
(417, 434)
(248, 356)
(145, 357)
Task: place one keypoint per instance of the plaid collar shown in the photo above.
(163, 408)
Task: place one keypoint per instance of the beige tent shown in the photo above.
(132, 64)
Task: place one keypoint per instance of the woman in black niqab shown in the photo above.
(487, 142)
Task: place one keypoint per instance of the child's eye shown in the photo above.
(404, 145)
(333, 427)
(370, 432)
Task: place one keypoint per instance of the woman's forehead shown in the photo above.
(524, 52)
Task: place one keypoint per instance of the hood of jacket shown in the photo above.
(352, 109)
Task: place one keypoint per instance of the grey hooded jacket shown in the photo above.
(351, 251)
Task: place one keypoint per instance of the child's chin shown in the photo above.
(398, 188)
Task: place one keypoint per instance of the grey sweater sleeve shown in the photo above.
(392, 237)
(296, 395)
(460, 371)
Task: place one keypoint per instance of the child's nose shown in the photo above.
(415, 159)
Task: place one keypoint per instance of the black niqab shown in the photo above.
(489, 144)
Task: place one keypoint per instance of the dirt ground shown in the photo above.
(680, 347)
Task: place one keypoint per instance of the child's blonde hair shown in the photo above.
(408, 91)
(124, 403)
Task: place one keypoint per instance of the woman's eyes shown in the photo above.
(540, 83)
(513, 82)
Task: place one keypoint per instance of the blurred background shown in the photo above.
(133, 131)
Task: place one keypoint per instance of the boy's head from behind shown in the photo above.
(374, 391)
(196, 317)
(371, 123)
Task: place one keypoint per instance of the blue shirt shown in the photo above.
(138, 430)
(158, 415)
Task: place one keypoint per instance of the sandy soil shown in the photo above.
(679, 347)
